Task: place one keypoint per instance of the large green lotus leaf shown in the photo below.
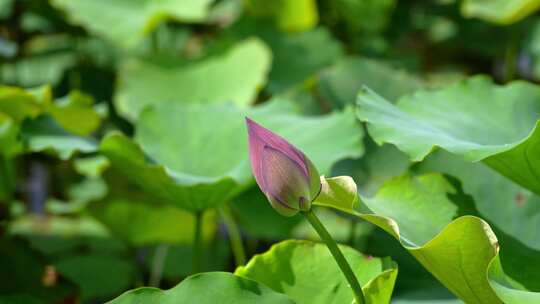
(125, 22)
(234, 76)
(514, 276)
(418, 213)
(382, 163)
(306, 272)
(142, 223)
(287, 71)
(340, 83)
(513, 211)
(509, 290)
(127, 157)
(510, 208)
(206, 288)
(499, 11)
(426, 301)
(176, 154)
(474, 118)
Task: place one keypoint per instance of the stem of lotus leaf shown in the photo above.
(6, 178)
(234, 234)
(352, 232)
(197, 243)
(160, 255)
(337, 254)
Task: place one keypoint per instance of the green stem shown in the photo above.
(337, 254)
(197, 243)
(510, 63)
(157, 264)
(234, 235)
(352, 232)
(7, 178)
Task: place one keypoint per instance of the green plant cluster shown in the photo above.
(124, 169)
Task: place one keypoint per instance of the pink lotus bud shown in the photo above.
(285, 175)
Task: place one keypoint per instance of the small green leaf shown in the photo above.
(91, 167)
(43, 134)
(290, 16)
(338, 192)
(19, 104)
(499, 11)
(75, 114)
(306, 272)
(474, 118)
(207, 288)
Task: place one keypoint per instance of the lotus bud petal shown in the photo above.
(284, 174)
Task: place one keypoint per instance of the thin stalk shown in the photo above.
(157, 265)
(234, 235)
(7, 177)
(337, 254)
(197, 243)
(352, 232)
(510, 63)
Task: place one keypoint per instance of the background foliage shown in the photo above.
(122, 122)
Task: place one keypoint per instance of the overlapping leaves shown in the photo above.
(459, 252)
(132, 19)
(31, 121)
(474, 118)
(195, 156)
(307, 273)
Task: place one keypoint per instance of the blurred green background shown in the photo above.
(86, 215)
